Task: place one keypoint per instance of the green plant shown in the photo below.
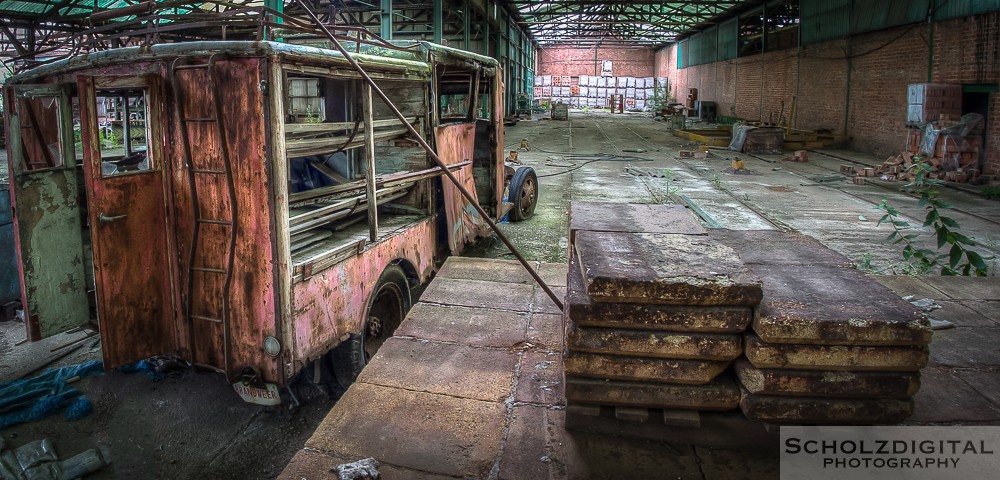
(866, 264)
(110, 138)
(717, 181)
(668, 174)
(960, 259)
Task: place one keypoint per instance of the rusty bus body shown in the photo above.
(214, 200)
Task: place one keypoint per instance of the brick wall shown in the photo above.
(625, 61)
(854, 86)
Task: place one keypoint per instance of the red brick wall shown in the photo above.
(625, 61)
(869, 105)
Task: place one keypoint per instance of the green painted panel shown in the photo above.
(947, 9)
(874, 15)
(981, 88)
(710, 45)
(728, 39)
(681, 51)
(49, 230)
(824, 19)
(694, 50)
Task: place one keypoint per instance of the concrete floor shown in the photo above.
(194, 426)
(471, 387)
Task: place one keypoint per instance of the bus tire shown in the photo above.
(387, 306)
(523, 194)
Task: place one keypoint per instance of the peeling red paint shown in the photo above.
(333, 302)
(455, 144)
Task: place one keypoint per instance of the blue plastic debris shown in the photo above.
(143, 366)
(34, 398)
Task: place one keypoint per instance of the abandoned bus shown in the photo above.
(246, 206)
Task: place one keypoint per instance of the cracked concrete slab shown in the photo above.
(615, 367)
(818, 383)
(681, 318)
(663, 269)
(835, 306)
(834, 357)
(721, 393)
(653, 344)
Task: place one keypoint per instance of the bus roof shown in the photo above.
(409, 57)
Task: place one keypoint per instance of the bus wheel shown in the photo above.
(523, 193)
(387, 306)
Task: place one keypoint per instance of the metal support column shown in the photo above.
(438, 20)
(278, 6)
(385, 30)
(486, 29)
(366, 92)
(466, 24)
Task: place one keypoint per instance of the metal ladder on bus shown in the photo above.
(225, 270)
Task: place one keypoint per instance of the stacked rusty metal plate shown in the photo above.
(654, 320)
(828, 345)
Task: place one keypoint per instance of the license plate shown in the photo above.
(261, 396)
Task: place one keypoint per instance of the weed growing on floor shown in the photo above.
(960, 259)
(668, 174)
(717, 181)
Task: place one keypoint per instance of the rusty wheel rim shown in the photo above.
(528, 196)
(384, 315)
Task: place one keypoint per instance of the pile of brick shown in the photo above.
(896, 168)
(653, 320)
(927, 102)
(595, 91)
(828, 345)
(953, 157)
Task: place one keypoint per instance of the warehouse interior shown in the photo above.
(494, 238)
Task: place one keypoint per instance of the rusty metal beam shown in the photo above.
(432, 154)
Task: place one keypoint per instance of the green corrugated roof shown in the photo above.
(53, 8)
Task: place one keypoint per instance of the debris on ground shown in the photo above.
(34, 398)
(156, 368)
(38, 461)
(648, 172)
(364, 469)
(928, 305)
(800, 156)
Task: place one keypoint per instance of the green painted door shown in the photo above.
(46, 209)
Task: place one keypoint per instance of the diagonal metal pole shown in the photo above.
(431, 153)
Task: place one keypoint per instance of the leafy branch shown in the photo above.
(960, 259)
